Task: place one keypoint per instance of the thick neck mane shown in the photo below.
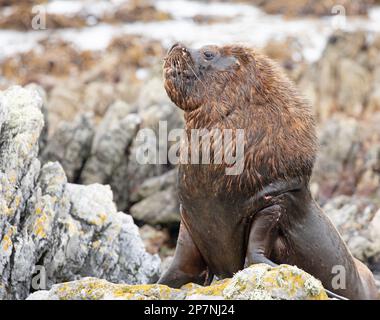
(279, 129)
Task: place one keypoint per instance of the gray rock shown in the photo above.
(170, 117)
(71, 145)
(157, 200)
(358, 221)
(44, 134)
(156, 184)
(160, 208)
(338, 144)
(108, 159)
(109, 151)
(342, 79)
(49, 228)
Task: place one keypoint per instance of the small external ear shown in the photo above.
(225, 63)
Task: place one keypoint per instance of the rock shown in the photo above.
(108, 160)
(153, 185)
(115, 113)
(355, 86)
(358, 221)
(160, 208)
(312, 8)
(154, 239)
(53, 230)
(256, 282)
(109, 148)
(141, 10)
(374, 100)
(338, 144)
(71, 145)
(344, 78)
(157, 200)
(348, 160)
(99, 241)
(156, 112)
(99, 96)
(44, 134)
(262, 282)
(64, 103)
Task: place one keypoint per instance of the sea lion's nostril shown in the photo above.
(173, 46)
(178, 46)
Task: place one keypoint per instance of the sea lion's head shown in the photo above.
(211, 73)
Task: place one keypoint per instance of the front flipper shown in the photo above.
(188, 264)
(262, 237)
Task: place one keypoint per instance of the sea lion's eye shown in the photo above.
(208, 55)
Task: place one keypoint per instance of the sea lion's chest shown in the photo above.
(214, 217)
(205, 191)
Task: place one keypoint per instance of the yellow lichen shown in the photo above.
(40, 224)
(216, 289)
(7, 243)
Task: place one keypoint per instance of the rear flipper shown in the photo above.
(368, 280)
(262, 237)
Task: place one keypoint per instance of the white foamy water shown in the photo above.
(245, 24)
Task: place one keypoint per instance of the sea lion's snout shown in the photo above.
(180, 76)
(193, 76)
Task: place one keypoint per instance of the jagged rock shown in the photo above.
(44, 134)
(115, 113)
(99, 241)
(358, 220)
(256, 282)
(21, 124)
(109, 150)
(61, 230)
(71, 145)
(156, 111)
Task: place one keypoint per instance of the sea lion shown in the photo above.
(265, 214)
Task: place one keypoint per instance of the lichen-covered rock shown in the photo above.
(263, 282)
(256, 282)
(71, 231)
